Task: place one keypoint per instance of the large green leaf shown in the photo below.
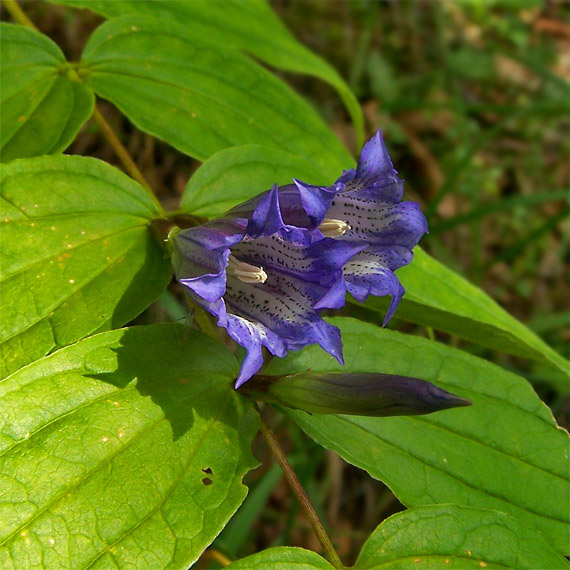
(449, 536)
(236, 174)
(176, 83)
(248, 25)
(42, 109)
(77, 255)
(503, 453)
(125, 450)
(282, 558)
(440, 298)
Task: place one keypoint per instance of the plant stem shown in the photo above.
(217, 556)
(124, 155)
(295, 484)
(17, 14)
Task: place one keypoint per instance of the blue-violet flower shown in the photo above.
(264, 279)
(364, 208)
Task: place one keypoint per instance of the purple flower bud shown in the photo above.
(358, 394)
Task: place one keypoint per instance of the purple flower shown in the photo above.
(264, 279)
(364, 208)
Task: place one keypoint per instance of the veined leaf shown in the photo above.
(42, 108)
(239, 173)
(449, 536)
(125, 450)
(247, 25)
(174, 82)
(503, 453)
(440, 298)
(77, 255)
(282, 558)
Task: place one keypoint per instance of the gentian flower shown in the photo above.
(364, 208)
(263, 279)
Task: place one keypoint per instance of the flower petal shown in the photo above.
(315, 200)
(366, 274)
(266, 218)
(251, 335)
(375, 170)
(378, 222)
(319, 262)
(216, 234)
(202, 271)
(284, 304)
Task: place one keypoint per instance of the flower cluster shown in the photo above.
(268, 268)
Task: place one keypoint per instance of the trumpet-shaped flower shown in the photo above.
(364, 207)
(263, 278)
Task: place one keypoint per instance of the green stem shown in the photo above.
(18, 15)
(124, 156)
(297, 488)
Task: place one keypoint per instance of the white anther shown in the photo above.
(245, 272)
(333, 228)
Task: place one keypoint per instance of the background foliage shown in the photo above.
(473, 100)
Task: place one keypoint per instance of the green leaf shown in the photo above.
(239, 173)
(281, 558)
(449, 536)
(174, 82)
(503, 453)
(125, 450)
(42, 108)
(248, 26)
(440, 298)
(77, 255)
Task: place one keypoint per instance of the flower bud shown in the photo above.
(359, 394)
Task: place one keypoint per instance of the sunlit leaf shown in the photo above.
(125, 450)
(77, 255)
(504, 453)
(176, 83)
(42, 107)
(248, 25)
(282, 558)
(449, 536)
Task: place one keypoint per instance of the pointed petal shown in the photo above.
(315, 200)
(375, 164)
(203, 272)
(266, 218)
(252, 336)
(366, 275)
(334, 298)
(249, 334)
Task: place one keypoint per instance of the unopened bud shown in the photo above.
(359, 394)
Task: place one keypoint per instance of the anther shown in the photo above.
(245, 272)
(333, 228)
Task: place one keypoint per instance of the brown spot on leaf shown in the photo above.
(207, 481)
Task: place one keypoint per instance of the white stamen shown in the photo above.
(245, 272)
(333, 228)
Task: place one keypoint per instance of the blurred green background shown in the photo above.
(474, 101)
